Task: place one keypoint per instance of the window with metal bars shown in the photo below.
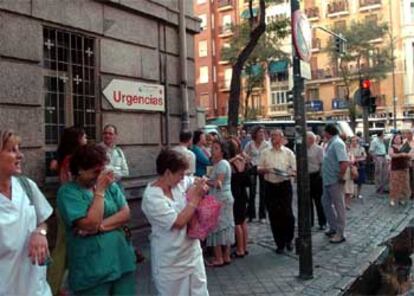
(69, 84)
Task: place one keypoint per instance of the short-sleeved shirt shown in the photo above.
(173, 254)
(254, 152)
(334, 154)
(282, 159)
(378, 147)
(117, 161)
(315, 158)
(222, 168)
(19, 217)
(100, 258)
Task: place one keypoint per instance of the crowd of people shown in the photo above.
(93, 253)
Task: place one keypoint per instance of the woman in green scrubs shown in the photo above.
(101, 260)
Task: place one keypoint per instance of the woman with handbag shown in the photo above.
(239, 181)
(169, 203)
(24, 247)
(220, 187)
(101, 260)
(399, 176)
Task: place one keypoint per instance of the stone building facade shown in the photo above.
(57, 57)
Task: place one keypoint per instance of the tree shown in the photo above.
(371, 60)
(252, 32)
(266, 50)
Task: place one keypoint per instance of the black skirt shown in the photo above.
(239, 192)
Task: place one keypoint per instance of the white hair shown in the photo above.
(311, 134)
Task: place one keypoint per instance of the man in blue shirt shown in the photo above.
(334, 165)
(378, 150)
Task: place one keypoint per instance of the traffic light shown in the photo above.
(340, 46)
(289, 100)
(365, 86)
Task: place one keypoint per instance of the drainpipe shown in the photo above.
(185, 118)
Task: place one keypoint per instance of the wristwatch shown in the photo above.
(41, 231)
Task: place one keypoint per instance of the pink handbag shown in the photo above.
(205, 219)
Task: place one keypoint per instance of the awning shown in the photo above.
(276, 67)
(254, 70)
(246, 13)
(219, 121)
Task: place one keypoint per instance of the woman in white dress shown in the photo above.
(23, 211)
(169, 203)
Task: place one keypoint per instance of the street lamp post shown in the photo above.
(304, 240)
(394, 97)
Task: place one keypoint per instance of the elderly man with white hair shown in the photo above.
(278, 164)
(315, 159)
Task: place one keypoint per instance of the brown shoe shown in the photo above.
(337, 239)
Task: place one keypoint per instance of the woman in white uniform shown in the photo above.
(169, 203)
(23, 212)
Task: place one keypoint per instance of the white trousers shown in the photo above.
(195, 284)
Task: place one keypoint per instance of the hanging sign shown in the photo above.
(302, 35)
(133, 95)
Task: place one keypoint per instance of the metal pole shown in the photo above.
(304, 240)
(394, 97)
(185, 118)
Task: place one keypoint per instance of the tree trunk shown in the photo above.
(235, 86)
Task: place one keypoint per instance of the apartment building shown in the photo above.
(213, 74)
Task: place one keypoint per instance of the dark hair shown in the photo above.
(380, 133)
(111, 125)
(359, 134)
(224, 147)
(196, 136)
(169, 159)
(255, 131)
(394, 137)
(87, 157)
(234, 146)
(331, 129)
(185, 136)
(69, 142)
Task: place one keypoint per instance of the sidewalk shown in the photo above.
(371, 221)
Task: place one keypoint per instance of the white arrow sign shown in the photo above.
(132, 95)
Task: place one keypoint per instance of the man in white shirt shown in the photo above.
(117, 161)
(278, 164)
(186, 140)
(315, 159)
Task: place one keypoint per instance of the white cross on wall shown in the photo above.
(77, 79)
(49, 44)
(89, 52)
(64, 77)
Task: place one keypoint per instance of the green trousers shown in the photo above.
(124, 286)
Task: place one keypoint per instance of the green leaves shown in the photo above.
(366, 51)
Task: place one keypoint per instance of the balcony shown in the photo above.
(319, 74)
(225, 5)
(226, 30)
(338, 8)
(316, 44)
(339, 104)
(279, 108)
(312, 13)
(314, 106)
(367, 5)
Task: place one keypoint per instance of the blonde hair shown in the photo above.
(8, 136)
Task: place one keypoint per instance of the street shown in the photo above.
(370, 222)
